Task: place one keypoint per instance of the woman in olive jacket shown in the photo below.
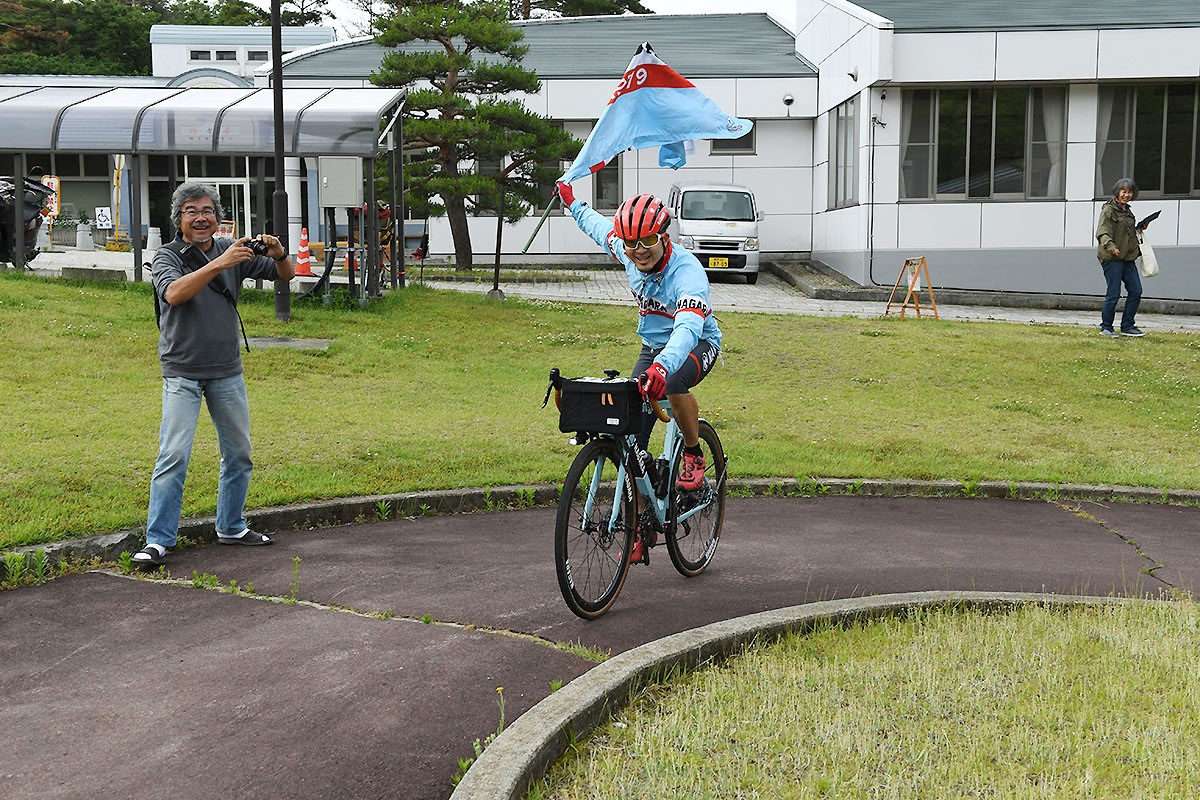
(1118, 250)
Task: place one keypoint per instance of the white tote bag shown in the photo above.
(1149, 265)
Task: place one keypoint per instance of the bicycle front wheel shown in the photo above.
(697, 516)
(593, 534)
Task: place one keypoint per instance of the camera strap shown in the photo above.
(194, 258)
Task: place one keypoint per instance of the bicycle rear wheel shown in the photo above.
(591, 549)
(693, 541)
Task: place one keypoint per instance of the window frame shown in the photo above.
(965, 123)
(610, 173)
(744, 145)
(485, 167)
(1135, 141)
(844, 154)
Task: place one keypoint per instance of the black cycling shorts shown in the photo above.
(693, 369)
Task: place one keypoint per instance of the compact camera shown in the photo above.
(258, 247)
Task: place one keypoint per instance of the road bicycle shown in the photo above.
(615, 492)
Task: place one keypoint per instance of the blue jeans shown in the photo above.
(1116, 273)
(230, 412)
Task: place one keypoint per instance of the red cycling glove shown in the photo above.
(653, 381)
(566, 193)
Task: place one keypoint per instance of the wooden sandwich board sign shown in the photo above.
(911, 274)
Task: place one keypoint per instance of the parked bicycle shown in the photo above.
(615, 492)
(33, 196)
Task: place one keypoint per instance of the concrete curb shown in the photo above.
(524, 751)
(306, 516)
(347, 511)
(791, 274)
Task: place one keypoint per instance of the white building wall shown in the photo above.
(1149, 53)
(850, 46)
(1010, 246)
(780, 171)
(171, 46)
(945, 58)
(1045, 55)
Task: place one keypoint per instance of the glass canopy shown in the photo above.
(138, 121)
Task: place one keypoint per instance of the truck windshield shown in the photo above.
(732, 206)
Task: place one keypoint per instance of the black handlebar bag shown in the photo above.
(600, 405)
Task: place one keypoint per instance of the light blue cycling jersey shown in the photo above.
(673, 303)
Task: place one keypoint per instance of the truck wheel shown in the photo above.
(751, 278)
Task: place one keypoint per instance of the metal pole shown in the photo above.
(135, 213)
(260, 209)
(541, 222)
(499, 239)
(371, 220)
(394, 278)
(279, 200)
(400, 209)
(16, 219)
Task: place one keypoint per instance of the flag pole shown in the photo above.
(541, 222)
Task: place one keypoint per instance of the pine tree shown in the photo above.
(459, 60)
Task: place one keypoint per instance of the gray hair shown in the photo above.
(1125, 183)
(194, 190)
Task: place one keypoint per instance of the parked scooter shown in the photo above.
(34, 199)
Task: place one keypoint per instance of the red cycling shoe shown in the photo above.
(691, 472)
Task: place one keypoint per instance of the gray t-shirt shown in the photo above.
(201, 339)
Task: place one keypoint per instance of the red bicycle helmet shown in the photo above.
(640, 216)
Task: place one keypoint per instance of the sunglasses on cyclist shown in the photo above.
(646, 242)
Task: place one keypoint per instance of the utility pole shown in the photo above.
(279, 200)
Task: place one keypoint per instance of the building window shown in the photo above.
(200, 55)
(66, 165)
(227, 55)
(257, 55)
(606, 186)
(741, 146)
(97, 165)
(843, 154)
(486, 205)
(991, 142)
(1149, 132)
(546, 173)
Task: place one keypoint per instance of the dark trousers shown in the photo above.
(1115, 273)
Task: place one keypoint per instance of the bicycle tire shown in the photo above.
(692, 542)
(591, 557)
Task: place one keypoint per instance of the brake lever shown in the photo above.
(555, 379)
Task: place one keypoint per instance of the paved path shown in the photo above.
(385, 671)
(770, 295)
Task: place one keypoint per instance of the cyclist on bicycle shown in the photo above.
(680, 337)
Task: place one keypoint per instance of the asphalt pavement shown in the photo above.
(364, 659)
(370, 657)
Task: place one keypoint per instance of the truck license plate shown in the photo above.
(714, 262)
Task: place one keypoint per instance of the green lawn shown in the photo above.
(1038, 702)
(429, 389)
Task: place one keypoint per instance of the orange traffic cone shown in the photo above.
(303, 259)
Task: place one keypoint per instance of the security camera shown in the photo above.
(788, 99)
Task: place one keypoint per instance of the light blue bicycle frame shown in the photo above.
(672, 444)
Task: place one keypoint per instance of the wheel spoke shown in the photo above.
(591, 537)
(697, 516)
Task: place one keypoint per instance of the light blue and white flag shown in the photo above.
(654, 106)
